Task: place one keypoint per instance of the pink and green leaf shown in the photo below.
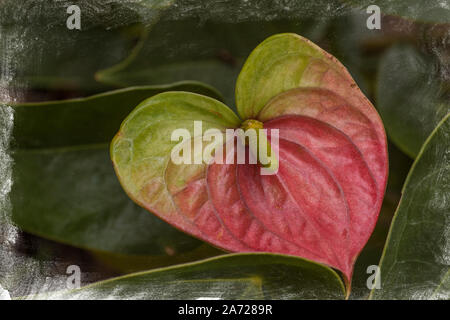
(323, 202)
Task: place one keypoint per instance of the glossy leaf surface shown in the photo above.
(415, 263)
(399, 166)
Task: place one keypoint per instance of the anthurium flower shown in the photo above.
(323, 200)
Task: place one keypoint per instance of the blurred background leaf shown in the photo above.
(38, 51)
(65, 188)
(209, 41)
(91, 120)
(411, 96)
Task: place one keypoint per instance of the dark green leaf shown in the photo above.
(40, 51)
(65, 188)
(399, 165)
(415, 263)
(90, 120)
(410, 97)
(234, 276)
(208, 41)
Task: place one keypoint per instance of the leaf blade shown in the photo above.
(79, 121)
(409, 109)
(414, 242)
(234, 276)
(65, 188)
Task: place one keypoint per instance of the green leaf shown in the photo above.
(141, 150)
(90, 120)
(399, 165)
(411, 97)
(287, 61)
(42, 52)
(234, 276)
(65, 188)
(415, 262)
(275, 66)
(199, 40)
